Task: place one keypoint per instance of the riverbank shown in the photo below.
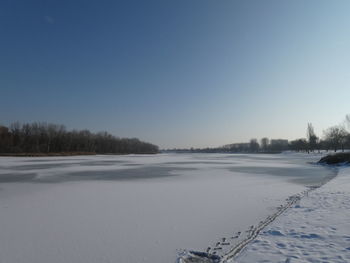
(336, 159)
(317, 229)
(63, 154)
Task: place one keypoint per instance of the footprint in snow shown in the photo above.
(274, 233)
(281, 245)
(311, 236)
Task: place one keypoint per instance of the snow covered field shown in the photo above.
(317, 229)
(148, 208)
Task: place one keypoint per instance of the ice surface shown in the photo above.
(128, 209)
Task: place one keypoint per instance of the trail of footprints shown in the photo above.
(221, 247)
(227, 248)
(225, 245)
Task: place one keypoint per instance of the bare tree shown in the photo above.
(299, 145)
(347, 122)
(254, 145)
(335, 136)
(311, 137)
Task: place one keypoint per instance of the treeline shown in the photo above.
(254, 146)
(334, 138)
(52, 138)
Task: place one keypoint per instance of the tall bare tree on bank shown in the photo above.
(311, 138)
(347, 126)
(347, 122)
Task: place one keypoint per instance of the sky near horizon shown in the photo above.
(184, 73)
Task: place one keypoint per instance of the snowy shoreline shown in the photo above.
(315, 229)
(243, 240)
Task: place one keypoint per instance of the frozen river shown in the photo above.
(146, 208)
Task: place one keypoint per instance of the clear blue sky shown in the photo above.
(177, 73)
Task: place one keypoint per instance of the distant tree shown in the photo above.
(347, 141)
(278, 145)
(335, 136)
(254, 145)
(311, 137)
(324, 144)
(5, 139)
(264, 142)
(299, 145)
(347, 127)
(347, 122)
(318, 144)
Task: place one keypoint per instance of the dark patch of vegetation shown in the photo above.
(338, 158)
(46, 154)
(42, 139)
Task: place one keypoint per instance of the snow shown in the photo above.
(148, 208)
(317, 229)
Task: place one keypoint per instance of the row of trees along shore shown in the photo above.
(334, 138)
(52, 138)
